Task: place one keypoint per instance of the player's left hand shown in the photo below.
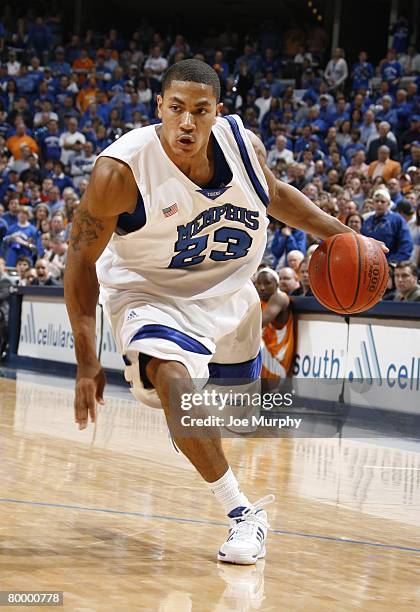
(89, 391)
(382, 245)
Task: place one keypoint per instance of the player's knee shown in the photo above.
(161, 372)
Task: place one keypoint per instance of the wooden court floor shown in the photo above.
(117, 520)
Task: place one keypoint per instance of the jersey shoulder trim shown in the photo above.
(256, 183)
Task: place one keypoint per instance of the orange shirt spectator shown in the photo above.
(384, 166)
(14, 143)
(87, 95)
(83, 63)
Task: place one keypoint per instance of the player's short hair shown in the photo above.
(193, 70)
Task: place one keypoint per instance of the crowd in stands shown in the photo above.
(348, 136)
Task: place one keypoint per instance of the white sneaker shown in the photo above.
(247, 534)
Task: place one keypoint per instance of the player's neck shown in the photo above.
(199, 169)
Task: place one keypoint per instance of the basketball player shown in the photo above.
(277, 321)
(173, 225)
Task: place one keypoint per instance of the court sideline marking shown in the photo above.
(313, 536)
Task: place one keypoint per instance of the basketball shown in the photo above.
(348, 273)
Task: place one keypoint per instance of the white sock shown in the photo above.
(228, 493)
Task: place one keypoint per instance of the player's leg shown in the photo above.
(161, 362)
(203, 445)
(237, 356)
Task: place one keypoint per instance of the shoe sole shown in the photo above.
(241, 559)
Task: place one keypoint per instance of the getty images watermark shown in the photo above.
(233, 410)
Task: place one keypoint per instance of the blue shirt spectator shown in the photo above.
(400, 32)
(286, 240)
(389, 228)
(391, 69)
(20, 239)
(50, 141)
(362, 72)
(40, 36)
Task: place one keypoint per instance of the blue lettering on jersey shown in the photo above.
(230, 212)
(189, 249)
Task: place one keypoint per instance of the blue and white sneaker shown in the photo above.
(247, 534)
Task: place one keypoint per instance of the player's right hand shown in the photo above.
(90, 384)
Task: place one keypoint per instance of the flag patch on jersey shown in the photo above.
(170, 210)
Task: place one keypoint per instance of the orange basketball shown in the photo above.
(348, 273)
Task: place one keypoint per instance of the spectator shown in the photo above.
(263, 102)
(294, 259)
(20, 238)
(414, 227)
(50, 141)
(355, 222)
(83, 64)
(56, 225)
(288, 281)
(11, 216)
(82, 164)
(277, 322)
(362, 72)
(384, 166)
(5, 284)
(391, 70)
(69, 139)
(61, 180)
(13, 66)
(55, 201)
(155, 65)
(23, 264)
(410, 61)
(303, 276)
(356, 193)
(368, 131)
(387, 113)
(414, 158)
(43, 275)
(388, 227)
(57, 259)
(383, 139)
(405, 277)
(30, 276)
(39, 36)
(280, 151)
(287, 239)
(22, 163)
(21, 136)
(3, 232)
(394, 189)
(411, 135)
(33, 172)
(336, 71)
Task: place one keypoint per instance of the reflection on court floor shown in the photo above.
(118, 520)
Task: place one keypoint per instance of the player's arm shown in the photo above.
(111, 191)
(278, 302)
(289, 205)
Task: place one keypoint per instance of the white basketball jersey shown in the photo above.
(195, 243)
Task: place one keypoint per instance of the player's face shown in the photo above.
(266, 285)
(188, 111)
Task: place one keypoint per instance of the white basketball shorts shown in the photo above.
(216, 337)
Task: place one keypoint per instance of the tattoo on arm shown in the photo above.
(84, 229)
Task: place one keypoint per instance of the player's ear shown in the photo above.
(219, 107)
(159, 101)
